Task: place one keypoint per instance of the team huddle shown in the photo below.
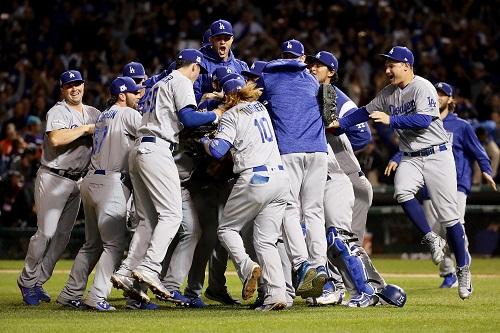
(217, 160)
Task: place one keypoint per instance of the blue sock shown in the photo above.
(456, 241)
(415, 213)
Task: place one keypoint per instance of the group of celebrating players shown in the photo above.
(288, 205)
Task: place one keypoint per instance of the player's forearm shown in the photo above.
(357, 117)
(62, 137)
(216, 148)
(414, 121)
(189, 117)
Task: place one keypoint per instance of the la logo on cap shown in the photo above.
(289, 45)
(123, 87)
(131, 70)
(391, 51)
(71, 75)
(221, 26)
(253, 66)
(229, 71)
(440, 85)
(318, 55)
(198, 59)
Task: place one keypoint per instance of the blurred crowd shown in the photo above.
(453, 41)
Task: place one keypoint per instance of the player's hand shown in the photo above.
(391, 166)
(334, 124)
(90, 129)
(490, 181)
(380, 117)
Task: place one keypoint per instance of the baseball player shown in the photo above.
(212, 193)
(411, 103)
(155, 179)
(260, 193)
(466, 150)
(105, 192)
(290, 89)
(67, 147)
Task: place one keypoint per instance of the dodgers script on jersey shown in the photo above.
(75, 156)
(168, 96)
(115, 132)
(248, 128)
(419, 96)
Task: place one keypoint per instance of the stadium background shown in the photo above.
(453, 41)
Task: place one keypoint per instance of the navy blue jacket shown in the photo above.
(291, 92)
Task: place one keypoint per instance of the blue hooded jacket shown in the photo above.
(291, 92)
(211, 61)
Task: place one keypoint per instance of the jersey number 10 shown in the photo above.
(266, 134)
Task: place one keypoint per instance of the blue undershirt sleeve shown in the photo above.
(414, 121)
(189, 117)
(219, 148)
(359, 116)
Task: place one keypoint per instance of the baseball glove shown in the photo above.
(327, 97)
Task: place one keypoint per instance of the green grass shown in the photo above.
(428, 308)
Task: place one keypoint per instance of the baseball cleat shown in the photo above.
(259, 301)
(222, 297)
(76, 304)
(132, 304)
(30, 295)
(178, 298)
(128, 285)
(42, 294)
(362, 300)
(450, 281)
(197, 303)
(100, 306)
(436, 245)
(250, 284)
(272, 307)
(305, 287)
(330, 296)
(152, 280)
(464, 277)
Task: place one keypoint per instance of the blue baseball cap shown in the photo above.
(233, 85)
(255, 70)
(134, 70)
(206, 38)
(400, 54)
(326, 58)
(231, 76)
(293, 46)
(69, 77)
(124, 84)
(222, 71)
(221, 27)
(194, 56)
(444, 87)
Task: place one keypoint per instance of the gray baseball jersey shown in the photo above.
(169, 95)
(115, 132)
(248, 128)
(419, 96)
(259, 195)
(73, 157)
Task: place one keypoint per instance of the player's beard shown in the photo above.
(131, 101)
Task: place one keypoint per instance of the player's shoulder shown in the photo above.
(387, 90)
(419, 82)
(91, 109)
(58, 108)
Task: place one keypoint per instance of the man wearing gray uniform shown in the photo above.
(66, 155)
(260, 193)
(409, 104)
(105, 192)
(155, 179)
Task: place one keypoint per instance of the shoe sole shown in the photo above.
(133, 293)
(152, 285)
(464, 297)
(71, 306)
(309, 287)
(251, 284)
(275, 307)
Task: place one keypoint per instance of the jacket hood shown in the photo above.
(284, 65)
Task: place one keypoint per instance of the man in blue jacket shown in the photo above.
(291, 92)
(466, 149)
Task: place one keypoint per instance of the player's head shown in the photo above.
(218, 74)
(221, 38)
(189, 63)
(136, 71)
(293, 49)
(125, 92)
(72, 87)
(255, 71)
(399, 65)
(445, 96)
(237, 91)
(324, 66)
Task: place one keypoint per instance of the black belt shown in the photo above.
(266, 168)
(152, 139)
(66, 174)
(426, 151)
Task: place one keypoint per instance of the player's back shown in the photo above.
(115, 132)
(254, 140)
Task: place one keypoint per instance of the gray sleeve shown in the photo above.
(426, 99)
(184, 94)
(132, 121)
(227, 127)
(57, 118)
(378, 103)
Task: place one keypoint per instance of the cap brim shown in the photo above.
(72, 81)
(248, 73)
(203, 70)
(312, 59)
(221, 33)
(443, 91)
(390, 57)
